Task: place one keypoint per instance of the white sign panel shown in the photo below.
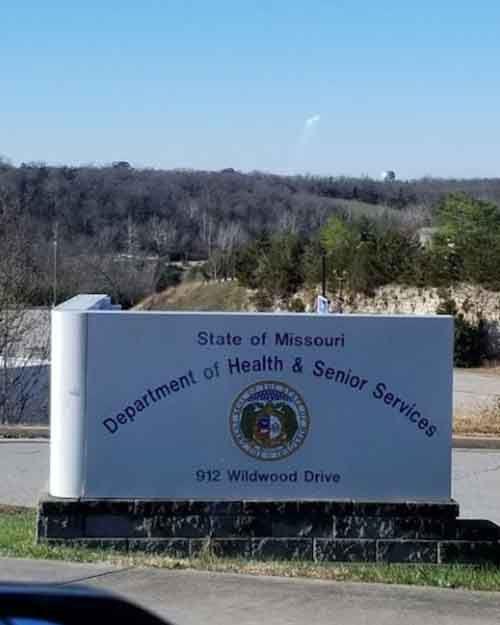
(256, 406)
(322, 305)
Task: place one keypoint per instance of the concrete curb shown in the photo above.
(476, 442)
(13, 432)
(28, 432)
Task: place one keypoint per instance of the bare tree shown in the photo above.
(24, 332)
(163, 234)
(228, 239)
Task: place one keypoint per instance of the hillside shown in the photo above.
(117, 229)
(204, 296)
(472, 301)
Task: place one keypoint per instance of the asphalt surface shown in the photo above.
(476, 483)
(474, 389)
(189, 598)
(24, 471)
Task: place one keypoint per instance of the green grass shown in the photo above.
(17, 540)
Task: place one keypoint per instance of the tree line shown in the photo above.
(359, 255)
(118, 229)
(364, 254)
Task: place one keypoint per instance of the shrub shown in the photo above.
(469, 339)
(170, 275)
(297, 305)
(262, 301)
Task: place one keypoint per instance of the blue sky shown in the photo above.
(409, 86)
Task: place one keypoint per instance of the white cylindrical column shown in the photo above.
(67, 402)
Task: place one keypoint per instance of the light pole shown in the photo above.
(323, 273)
(54, 286)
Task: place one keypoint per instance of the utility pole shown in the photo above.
(130, 237)
(54, 286)
(323, 273)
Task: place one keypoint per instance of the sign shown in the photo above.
(322, 305)
(251, 406)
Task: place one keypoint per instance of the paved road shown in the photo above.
(474, 389)
(189, 598)
(476, 483)
(24, 471)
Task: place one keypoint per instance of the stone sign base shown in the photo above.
(321, 531)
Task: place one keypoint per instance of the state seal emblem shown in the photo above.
(269, 420)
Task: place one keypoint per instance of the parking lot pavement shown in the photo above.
(476, 483)
(474, 389)
(24, 471)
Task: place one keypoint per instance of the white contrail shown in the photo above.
(308, 131)
(298, 156)
(310, 121)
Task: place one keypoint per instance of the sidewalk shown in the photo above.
(189, 598)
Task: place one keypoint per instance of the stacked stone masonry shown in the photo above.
(321, 531)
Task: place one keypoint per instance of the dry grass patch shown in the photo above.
(495, 371)
(485, 422)
(200, 296)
